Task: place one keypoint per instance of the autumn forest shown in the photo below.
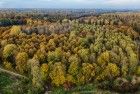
(69, 52)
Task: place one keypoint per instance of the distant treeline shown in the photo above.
(8, 22)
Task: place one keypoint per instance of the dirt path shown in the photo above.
(12, 73)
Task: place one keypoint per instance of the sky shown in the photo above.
(113, 4)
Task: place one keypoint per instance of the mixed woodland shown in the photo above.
(91, 53)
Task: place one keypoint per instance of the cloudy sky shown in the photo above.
(119, 4)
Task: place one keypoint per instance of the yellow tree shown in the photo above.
(138, 71)
(57, 74)
(41, 54)
(9, 50)
(84, 54)
(7, 65)
(74, 65)
(15, 30)
(51, 44)
(111, 71)
(21, 62)
(44, 71)
(88, 71)
(34, 66)
(133, 59)
(55, 55)
(103, 59)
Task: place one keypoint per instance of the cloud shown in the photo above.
(2, 2)
(132, 4)
(70, 3)
(122, 2)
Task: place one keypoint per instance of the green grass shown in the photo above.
(58, 90)
(5, 80)
(8, 85)
(83, 89)
(12, 85)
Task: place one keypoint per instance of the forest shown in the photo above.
(69, 52)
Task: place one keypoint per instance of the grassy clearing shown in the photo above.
(12, 85)
(84, 89)
(5, 80)
(8, 85)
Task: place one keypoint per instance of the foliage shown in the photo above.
(8, 65)
(74, 65)
(36, 75)
(44, 71)
(41, 54)
(103, 59)
(70, 53)
(110, 71)
(15, 30)
(88, 71)
(12, 85)
(138, 70)
(9, 50)
(84, 54)
(57, 74)
(21, 62)
(55, 55)
(4, 80)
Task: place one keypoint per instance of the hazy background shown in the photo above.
(119, 4)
